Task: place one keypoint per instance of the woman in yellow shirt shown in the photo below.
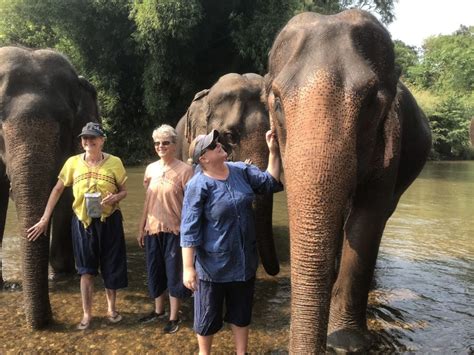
(98, 185)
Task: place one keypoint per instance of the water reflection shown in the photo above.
(421, 300)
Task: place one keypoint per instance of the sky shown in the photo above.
(419, 19)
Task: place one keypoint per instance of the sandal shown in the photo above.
(83, 326)
(115, 319)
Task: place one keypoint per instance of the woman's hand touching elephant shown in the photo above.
(272, 141)
(274, 164)
(37, 230)
(41, 227)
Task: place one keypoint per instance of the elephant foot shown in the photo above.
(61, 275)
(349, 340)
(41, 323)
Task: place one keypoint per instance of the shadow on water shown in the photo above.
(421, 300)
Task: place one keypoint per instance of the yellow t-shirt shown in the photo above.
(104, 178)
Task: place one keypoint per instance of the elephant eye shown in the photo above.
(371, 97)
(277, 104)
(228, 137)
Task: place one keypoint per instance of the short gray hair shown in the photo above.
(165, 130)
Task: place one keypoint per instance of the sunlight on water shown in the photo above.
(421, 302)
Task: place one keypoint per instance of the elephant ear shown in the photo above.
(2, 147)
(87, 109)
(391, 130)
(197, 116)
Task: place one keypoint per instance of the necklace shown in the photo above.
(93, 162)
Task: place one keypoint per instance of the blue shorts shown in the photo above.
(209, 302)
(102, 245)
(164, 265)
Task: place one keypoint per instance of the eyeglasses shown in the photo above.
(165, 143)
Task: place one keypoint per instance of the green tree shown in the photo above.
(22, 23)
(450, 123)
(406, 57)
(384, 8)
(448, 62)
(147, 58)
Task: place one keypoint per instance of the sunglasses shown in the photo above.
(165, 143)
(211, 146)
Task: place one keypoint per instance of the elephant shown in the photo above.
(43, 105)
(234, 107)
(352, 139)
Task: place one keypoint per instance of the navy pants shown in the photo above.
(164, 264)
(101, 246)
(209, 300)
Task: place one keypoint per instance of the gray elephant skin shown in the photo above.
(352, 139)
(234, 107)
(43, 105)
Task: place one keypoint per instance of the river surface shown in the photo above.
(422, 301)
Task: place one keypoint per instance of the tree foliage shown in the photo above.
(445, 73)
(147, 58)
(406, 57)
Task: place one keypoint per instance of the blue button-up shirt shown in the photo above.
(217, 219)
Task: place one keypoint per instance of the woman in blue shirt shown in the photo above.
(218, 237)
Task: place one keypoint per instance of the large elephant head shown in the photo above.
(43, 105)
(352, 139)
(233, 106)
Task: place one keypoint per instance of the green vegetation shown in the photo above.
(147, 58)
(441, 76)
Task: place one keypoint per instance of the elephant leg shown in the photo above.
(263, 229)
(61, 254)
(347, 322)
(4, 189)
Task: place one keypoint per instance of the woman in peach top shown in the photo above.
(159, 227)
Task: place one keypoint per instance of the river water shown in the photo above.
(421, 302)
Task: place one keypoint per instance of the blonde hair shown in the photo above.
(165, 130)
(192, 146)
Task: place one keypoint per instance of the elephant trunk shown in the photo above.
(28, 183)
(255, 149)
(263, 229)
(313, 230)
(4, 187)
(320, 168)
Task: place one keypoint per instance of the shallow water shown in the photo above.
(421, 302)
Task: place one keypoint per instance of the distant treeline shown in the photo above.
(148, 58)
(441, 76)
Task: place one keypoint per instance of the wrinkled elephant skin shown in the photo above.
(233, 106)
(352, 139)
(44, 104)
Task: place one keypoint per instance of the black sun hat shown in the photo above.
(202, 143)
(92, 129)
